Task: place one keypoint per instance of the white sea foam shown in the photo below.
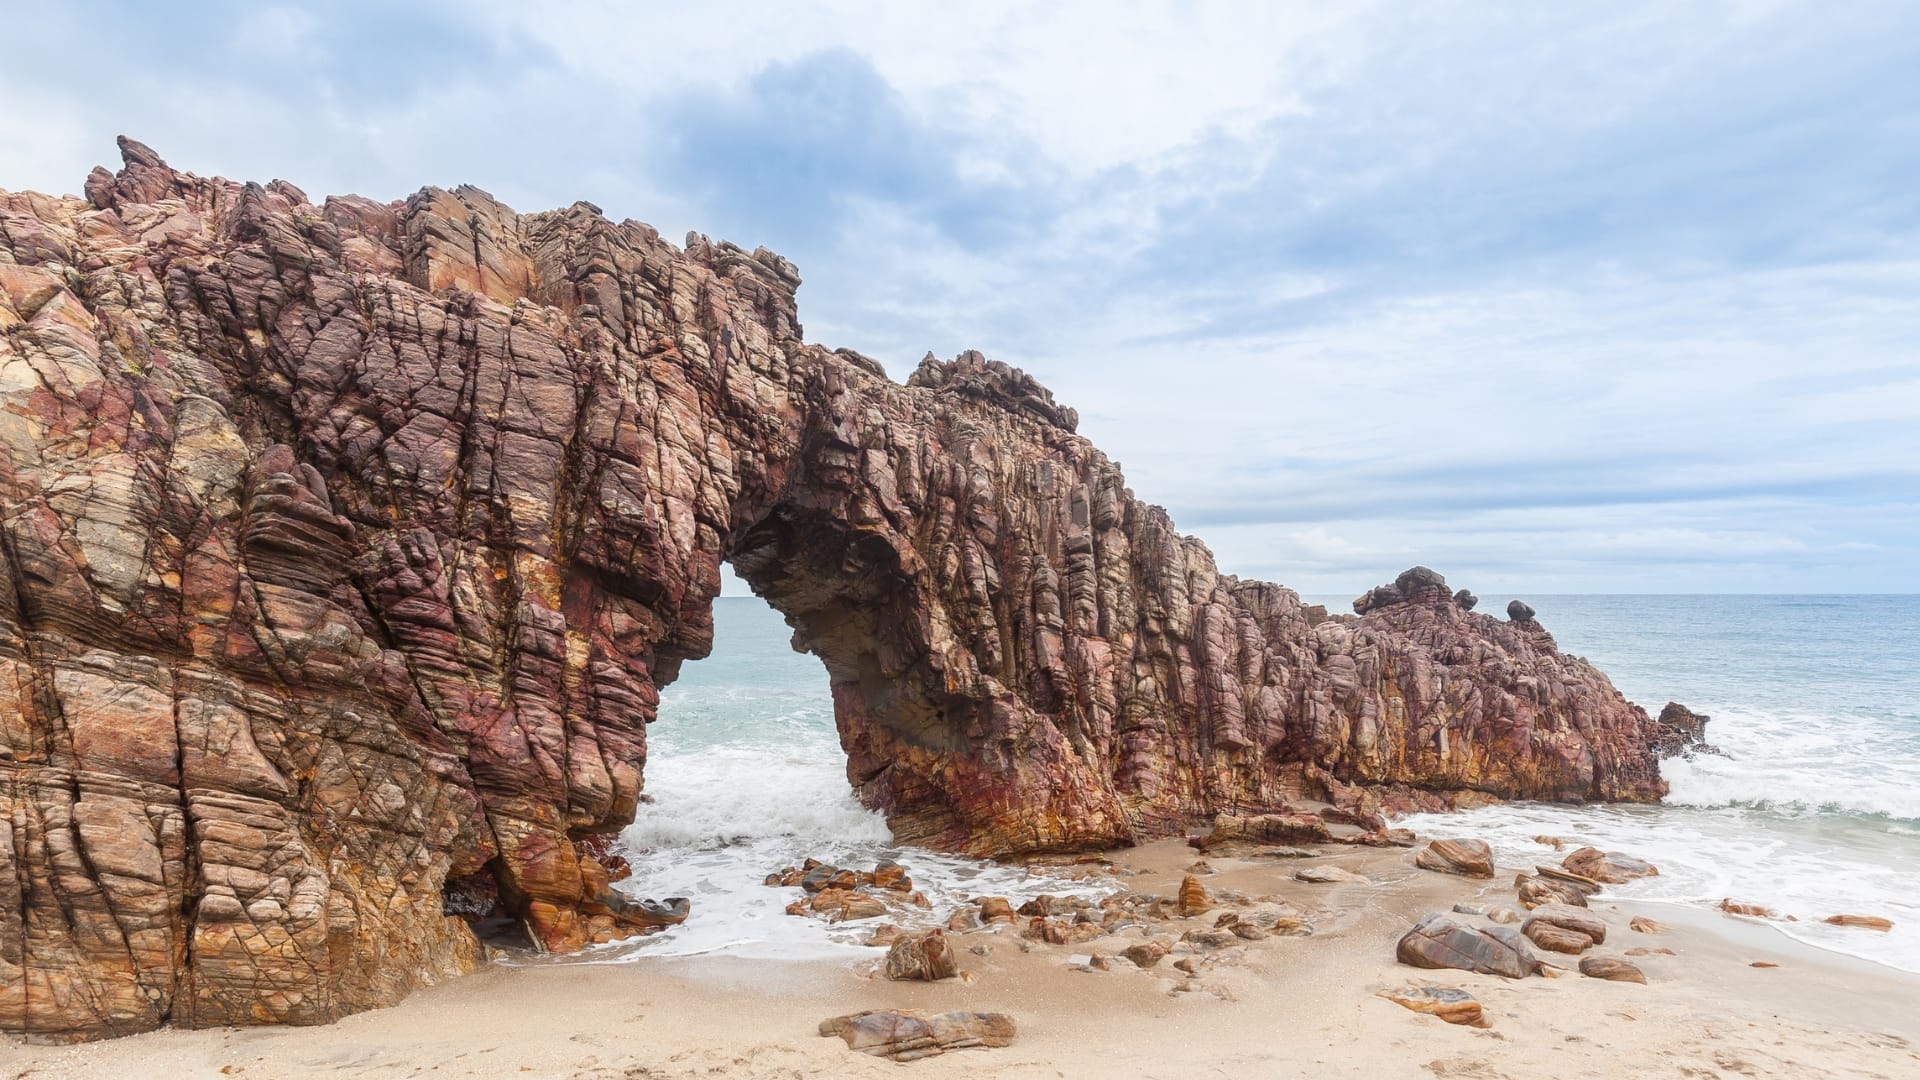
(1801, 762)
(725, 816)
(1809, 866)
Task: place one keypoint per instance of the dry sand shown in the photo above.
(1283, 1007)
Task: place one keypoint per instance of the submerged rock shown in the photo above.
(909, 1034)
(1864, 922)
(1681, 732)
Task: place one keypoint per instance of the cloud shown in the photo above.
(1564, 297)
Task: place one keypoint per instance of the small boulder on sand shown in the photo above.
(1611, 969)
(1470, 858)
(1556, 938)
(1449, 1003)
(1612, 867)
(1439, 942)
(923, 957)
(909, 1034)
(1577, 919)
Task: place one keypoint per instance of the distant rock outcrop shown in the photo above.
(346, 548)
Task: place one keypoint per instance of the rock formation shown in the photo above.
(347, 546)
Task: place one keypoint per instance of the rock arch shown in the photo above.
(346, 546)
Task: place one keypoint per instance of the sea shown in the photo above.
(1812, 808)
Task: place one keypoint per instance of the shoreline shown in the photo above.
(1281, 1006)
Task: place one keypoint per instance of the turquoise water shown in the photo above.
(1816, 810)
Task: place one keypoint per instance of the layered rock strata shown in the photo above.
(346, 547)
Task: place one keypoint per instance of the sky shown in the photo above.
(1572, 297)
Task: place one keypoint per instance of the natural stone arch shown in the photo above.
(346, 548)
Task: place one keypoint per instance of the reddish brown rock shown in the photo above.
(996, 909)
(909, 1035)
(1556, 938)
(922, 957)
(1741, 907)
(1470, 858)
(1611, 969)
(1568, 917)
(1439, 942)
(1643, 925)
(1611, 867)
(1193, 898)
(1147, 953)
(1681, 732)
(1535, 890)
(1449, 1003)
(348, 546)
(1864, 922)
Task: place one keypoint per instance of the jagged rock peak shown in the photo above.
(1418, 585)
(1010, 388)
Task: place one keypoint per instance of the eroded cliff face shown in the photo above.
(346, 547)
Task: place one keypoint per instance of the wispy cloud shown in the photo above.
(1560, 297)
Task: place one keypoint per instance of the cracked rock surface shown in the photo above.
(345, 547)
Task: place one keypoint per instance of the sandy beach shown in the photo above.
(1284, 1006)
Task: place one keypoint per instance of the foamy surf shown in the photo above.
(1808, 866)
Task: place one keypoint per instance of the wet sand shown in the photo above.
(1285, 1006)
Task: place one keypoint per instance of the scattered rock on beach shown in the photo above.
(1449, 1003)
(1330, 875)
(1147, 953)
(1193, 896)
(923, 957)
(1554, 842)
(1503, 915)
(1567, 917)
(1556, 938)
(1301, 828)
(1754, 911)
(1612, 867)
(1534, 890)
(1612, 970)
(1439, 942)
(1469, 858)
(995, 909)
(909, 1035)
(1864, 922)
(1644, 925)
